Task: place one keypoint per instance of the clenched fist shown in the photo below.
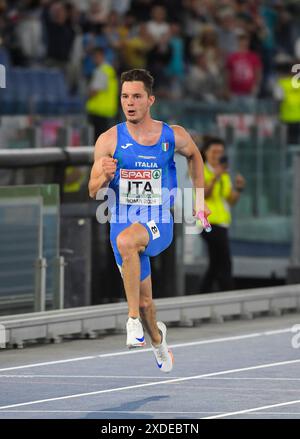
(107, 166)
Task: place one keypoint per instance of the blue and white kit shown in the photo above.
(144, 179)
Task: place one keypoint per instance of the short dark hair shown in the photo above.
(139, 75)
(207, 142)
(98, 49)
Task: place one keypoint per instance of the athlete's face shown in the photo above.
(135, 101)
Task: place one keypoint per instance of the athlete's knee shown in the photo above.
(126, 244)
(145, 304)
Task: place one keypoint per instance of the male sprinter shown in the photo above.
(136, 160)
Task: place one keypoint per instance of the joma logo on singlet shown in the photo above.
(135, 175)
(146, 165)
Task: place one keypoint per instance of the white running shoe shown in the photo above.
(163, 355)
(135, 333)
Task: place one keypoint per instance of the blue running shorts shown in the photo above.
(160, 237)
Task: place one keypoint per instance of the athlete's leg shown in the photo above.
(130, 242)
(156, 330)
(148, 311)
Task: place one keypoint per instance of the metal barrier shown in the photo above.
(28, 157)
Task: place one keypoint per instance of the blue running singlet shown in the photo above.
(145, 186)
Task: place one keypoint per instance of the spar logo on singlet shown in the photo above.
(140, 187)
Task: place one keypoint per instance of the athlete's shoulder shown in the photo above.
(180, 133)
(109, 135)
(107, 141)
(179, 130)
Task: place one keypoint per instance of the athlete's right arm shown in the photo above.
(104, 167)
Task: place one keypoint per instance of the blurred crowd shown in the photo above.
(205, 49)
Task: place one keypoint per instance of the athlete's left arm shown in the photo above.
(186, 147)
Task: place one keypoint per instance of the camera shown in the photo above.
(223, 160)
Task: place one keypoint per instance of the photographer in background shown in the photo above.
(220, 194)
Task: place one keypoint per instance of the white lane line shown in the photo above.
(143, 350)
(249, 378)
(255, 409)
(106, 411)
(117, 377)
(139, 412)
(142, 377)
(48, 363)
(275, 413)
(278, 331)
(154, 383)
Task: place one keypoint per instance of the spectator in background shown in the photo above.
(102, 104)
(201, 83)
(268, 16)
(285, 31)
(287, 93)
(219, 195)
(158, 27)
(3, 10)
(128, 27)
(194, 15)
(105, 36)
(204, 80)
(160, 54)
(176, 66)
(89, 43)
(121, 7)
(29, 32)
(227, 31)
(244, 70)
(159, 58)
(96, 15)
(173, 8)
(10, 17)
(241, 8)
(141, 9)
(135, 49)
(207, 44)
(5, 30)
(60, 35)
(111, 33)
(77, 18)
